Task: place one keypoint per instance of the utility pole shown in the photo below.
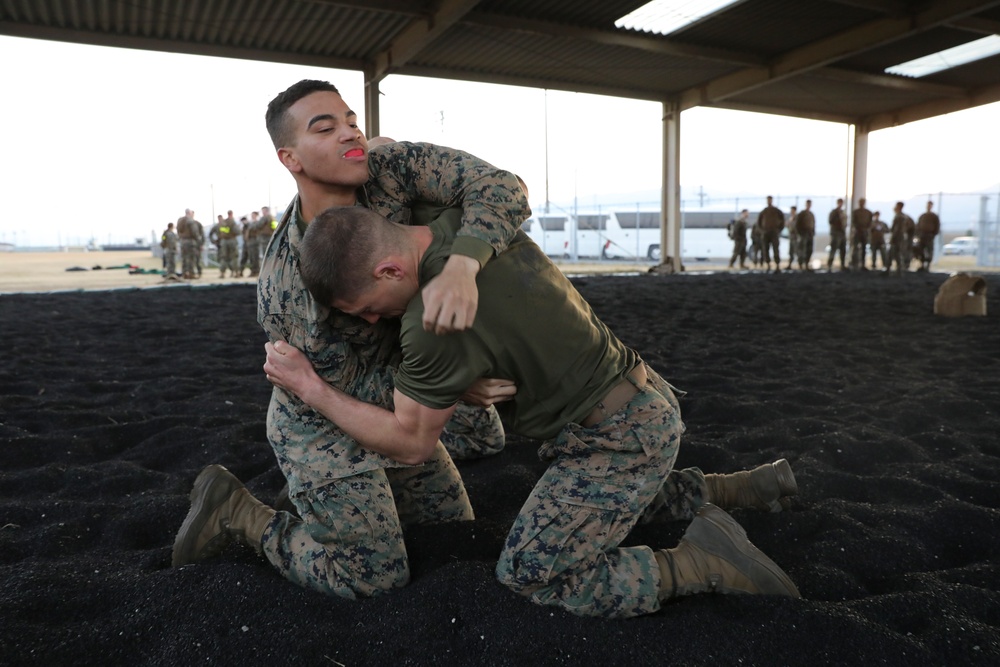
(546, 151)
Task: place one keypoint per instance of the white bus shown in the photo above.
(629, 235)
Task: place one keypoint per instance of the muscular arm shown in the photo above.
(407, 434)
(493, 208)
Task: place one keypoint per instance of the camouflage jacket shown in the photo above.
(347, 352)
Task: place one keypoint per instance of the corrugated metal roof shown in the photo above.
(821, 59)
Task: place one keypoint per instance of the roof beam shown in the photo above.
(785, 111)
(626, 38)
(824, 51)
(977, 24)
(888, 7)
(890, 81)
(415, 37)
(533, 82)
(174, 46)
(986, 95)
(405, 7)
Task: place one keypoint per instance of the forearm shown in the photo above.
(493, 203)
(374, 428)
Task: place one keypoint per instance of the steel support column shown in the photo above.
(859, 179)
(670, 197)
(371, 107)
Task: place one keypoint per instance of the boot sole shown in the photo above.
(718, 534)
(203, 497)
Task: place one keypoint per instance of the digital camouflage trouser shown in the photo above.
(563, 548)
(898, 254)
(838, 244)
(189, 257)
(804, 252)
(229, 256)
(771, 242)
(349, 541)
(169, 262)
(878, 249)
(739, 252)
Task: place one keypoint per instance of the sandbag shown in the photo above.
(961, 294)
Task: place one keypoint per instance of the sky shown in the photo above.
(111, 144)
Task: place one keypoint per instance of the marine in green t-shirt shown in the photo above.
(532, 327)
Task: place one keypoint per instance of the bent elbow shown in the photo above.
(421, 453)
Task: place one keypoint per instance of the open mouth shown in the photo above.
(354, 152)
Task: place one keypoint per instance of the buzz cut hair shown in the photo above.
(339, 252)
(276, 118)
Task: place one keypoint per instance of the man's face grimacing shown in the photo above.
(387, 296)
(329, 147)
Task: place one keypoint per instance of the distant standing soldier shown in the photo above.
(756, 246)
(805, 232)
(189, 243)
(861, 227)
(738, 233)
(244, 255)
(250, 244)
(838, 235)
(793, 236)
(771, 221)
(900, 240)
(168, 241)
(265, 229)
(928, 227)
(213, 233)
(877, 240)
(199, 237)
(229, 247)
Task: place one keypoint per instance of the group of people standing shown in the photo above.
(897, 245)
(239, 244)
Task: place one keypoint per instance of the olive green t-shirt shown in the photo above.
(532, 327)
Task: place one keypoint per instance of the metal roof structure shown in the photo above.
(818, 59)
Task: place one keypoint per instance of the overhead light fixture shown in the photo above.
(953, 57)
(666, 16)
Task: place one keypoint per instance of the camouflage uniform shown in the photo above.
(169, 244)
(605, 476)
(199, 236)
(805, 230)
(861, 226)
(757, 245)
(264, 230)
(564, 548)
(877, 242)
(229, 246)
(838, 237)
(793, 238)
(188, 235)
(738, 233)
(252, 247)
(928, 227)
(901, 242)
(771, 220)
(349, 540)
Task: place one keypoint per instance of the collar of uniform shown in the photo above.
(362, 196)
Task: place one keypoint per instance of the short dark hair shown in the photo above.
(276, 118)
(338, 253)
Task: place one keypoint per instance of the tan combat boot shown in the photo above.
(767, 487)
(715, 556)
(222, 510)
